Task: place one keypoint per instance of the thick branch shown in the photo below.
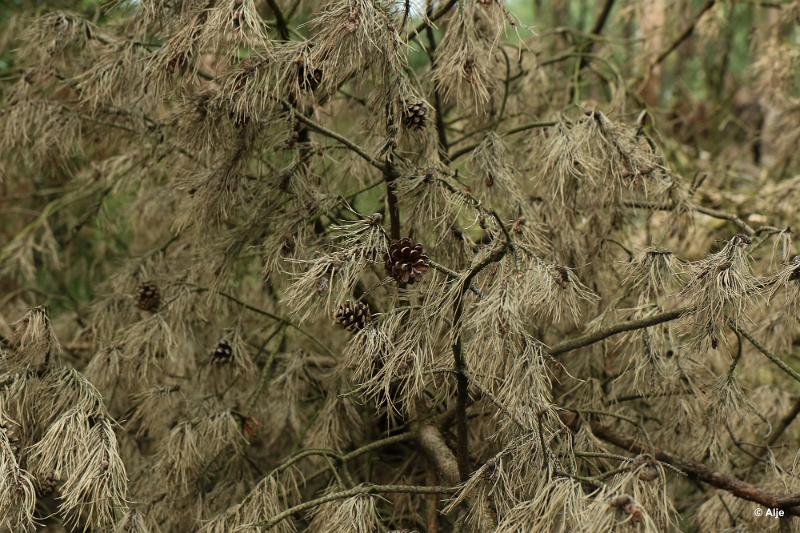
(701, 472)
(460, 365)
(432, 442)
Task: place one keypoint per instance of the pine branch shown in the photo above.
(714, 213)
(441, 129)
(632, 325)
(699, 471)
(390, 177)
(460, 364)
(767, 353)
(319, 128)
(355, 491)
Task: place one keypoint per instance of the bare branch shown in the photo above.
(591, 338)
(699, 471)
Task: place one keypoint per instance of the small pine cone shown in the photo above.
(49, 484)
(148, 298)
(353, 316)
(562, 278)
(415, 116)
(223, 353)
(309, 79)
(406, 261)
(287, 244)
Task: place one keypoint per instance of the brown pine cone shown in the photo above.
(148, 297)
(49, 484)
(406, 261)
(223, 353)
(415, 116)
(353, 316)
(309, 79)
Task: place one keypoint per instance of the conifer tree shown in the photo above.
(399, 265)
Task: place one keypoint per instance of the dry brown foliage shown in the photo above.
(370, 265)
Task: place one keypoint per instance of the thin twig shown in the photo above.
(714, 213)
(439, 14)
(632, 325)
(519, 129)
(778, 430)
(266, 313)
(768, 354)
(319, 128)
(683, 36)
(597, 29)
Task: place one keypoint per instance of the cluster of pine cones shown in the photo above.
(406, 262)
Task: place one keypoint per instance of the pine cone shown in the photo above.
(406, 261)
(309, 79)
(415, 116)
(353, 316)
(148, 298)
(49, 484)
(223, 353)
